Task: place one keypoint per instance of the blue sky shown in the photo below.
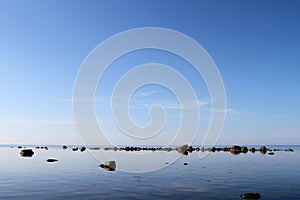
(255, 45)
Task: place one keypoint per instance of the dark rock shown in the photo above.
(183, 149)
(263, 149)
(289, 150)
(213, 149)
(185, 163)
(109, 166)
(244, 149)
(19, 147)
(64, 147)
(75, 149)
(252, 150)
(190, 149)
(235, 149)
(51, 160)
(225, 149)
(37, 147)
(127, 148)
(271, 153)
(46, 148)
(26, 153)
(251, 196)
(82, 149)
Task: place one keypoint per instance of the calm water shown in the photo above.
(77, 175)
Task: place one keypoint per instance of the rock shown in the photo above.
(51, 160)
(94, 148)
(235, 149)
(115, 148)
(271, 153)
(244, 149)
(185, 163)
(252, 150)
(289, 150)
(75, 149)
(46, 148)
(183, 149)
(19, 147)
(64, 147)
(251, 196)
(190, 149)
(26, 152)
(127, 148)
(109, 166)
(82, 149)
(263, 149)
(213, 149)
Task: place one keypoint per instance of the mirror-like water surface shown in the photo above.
(77, 175)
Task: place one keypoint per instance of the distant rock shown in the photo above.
(252, 150)
(46, 148)
(289, 150)
(19, 147)
(75, 149)
(185, 163)
(183, 149)
(263, 149)
(271, 153)
(82, 149)
(109, 165)
(251, 196)
(244, 149)
(235, 149)
(64, 147)
(52, 160)
(26, 153)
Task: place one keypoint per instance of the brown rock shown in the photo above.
(82, 149)
(183, 149)
(263, 149)
(109, 166)
(235, 149)
(244, 149)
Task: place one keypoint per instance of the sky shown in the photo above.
(255, 45)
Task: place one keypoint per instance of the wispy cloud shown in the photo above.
(146, 94)
(70, 100)
(227, 110)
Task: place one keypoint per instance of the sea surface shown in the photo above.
(77, 175)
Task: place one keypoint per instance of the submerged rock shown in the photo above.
(271, 153)
(109, 165)
(26, 152)
(52, 160)
(251, 196)
(185, 163)
(289, 150)
(183, 149)
(64, 147)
